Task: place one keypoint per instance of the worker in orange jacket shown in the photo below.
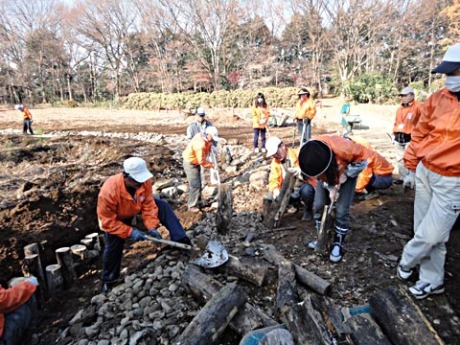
(17, 310)
(123, 197)
(406, 120)
(305, 112)
(286, 159)
(336, 163)
(260, 115)
(194, 156)
(433, 161)
(377, 175)
(27, 119)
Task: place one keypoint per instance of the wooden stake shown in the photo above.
(64, 258)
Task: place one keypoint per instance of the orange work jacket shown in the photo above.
(407, 118)
(115, 205)
(346, 152)
(26, 114)
(13, 298)
(197, 151)
(260, 113)
(277, 172)
(305, 110)
(436, 139)
(376, 164)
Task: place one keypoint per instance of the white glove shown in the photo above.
(333, 193)
(343, 178)
(276, 193)
(295, 171)
(409, 180)
(32, 280)
(353, 169)
(261, 121)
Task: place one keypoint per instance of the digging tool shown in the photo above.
(214, 255)
(214, 171)
(323, 231)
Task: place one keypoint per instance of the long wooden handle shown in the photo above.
(170, 243)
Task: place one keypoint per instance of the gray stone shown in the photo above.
(103, 342)
(158, 325)
(172, 287)
(173, 331)
(98, 299)
(169, 193)
(166, 307)
(83, 342)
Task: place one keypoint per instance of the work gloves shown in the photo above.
(409, 180)
(32, 280)
(296, 172)
(333, 193)
(276, 193)
(137, 235)
(353, 169)
(154, 233)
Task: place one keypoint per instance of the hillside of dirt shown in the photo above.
(49, 185)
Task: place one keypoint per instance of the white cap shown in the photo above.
(407, 90)
(213, 132)
(200, 111)
(136, 168)
(18, 107)
(272, 145)
(450, 62)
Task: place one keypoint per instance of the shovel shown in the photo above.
(214, 255)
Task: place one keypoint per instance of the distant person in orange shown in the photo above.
(406, 119)
(260, 114)
(18, 308)
(27, 117)
(195, 156)
(433, 162)
(122, 197)
(305, 112)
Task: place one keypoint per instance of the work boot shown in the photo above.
(264, 149)
(256, 150)
(308, 215)
(313, 244)
(372, 195)
(336, 254)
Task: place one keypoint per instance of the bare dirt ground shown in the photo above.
(49, 186)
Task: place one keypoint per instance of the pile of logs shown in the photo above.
(303, 312)
(71, 261)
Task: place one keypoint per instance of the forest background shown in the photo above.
(94, 52)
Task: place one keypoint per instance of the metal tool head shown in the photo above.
(214, 255)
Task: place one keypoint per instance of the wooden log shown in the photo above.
(364, 331)
(224, 208)
(54, 279)
(65, 260)
(96, 239)
(334, 317)
(286, 294)
(306, 323)
(79, 251)
(251, 273)
(203, 287)
(324, 230)
(273, 212)
(88, 243)
(34, 249)
(401, 320)
(210, 322)
(305, 277)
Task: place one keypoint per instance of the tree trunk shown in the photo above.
(37, 269)
(203, 287)
(286, 294)
(401, 320)
(251, 273)
(274, 213)
(54, 279)
(305, 277)
(224, 209)
(364, 331)
(209, 324)
(64, 259)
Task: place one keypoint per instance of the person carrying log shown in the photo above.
(260, 115)
(336, 163)
(433, 162)
(121, 199)
(305, 112)
(195, 156)
(18, 308)
(27, 119)
(285, 158)
(406, 120)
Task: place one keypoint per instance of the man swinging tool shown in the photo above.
(122, 197)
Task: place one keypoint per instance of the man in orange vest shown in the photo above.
(433, 162)
(406, 120)
(122, 197)
(305, 112)
(17, 310)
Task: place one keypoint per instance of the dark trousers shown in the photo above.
(27, 126)
(17, 322)
(262, 132)
(379, 182)
(307, 193)
(113, 249)
(304, 128)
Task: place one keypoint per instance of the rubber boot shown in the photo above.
(337, 247)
